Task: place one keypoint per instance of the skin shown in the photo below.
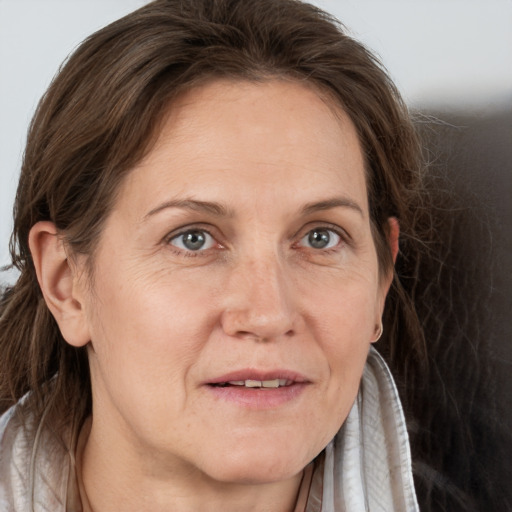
(161, 321)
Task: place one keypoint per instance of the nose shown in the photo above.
(259, 302)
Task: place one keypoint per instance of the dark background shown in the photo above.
(461, 428)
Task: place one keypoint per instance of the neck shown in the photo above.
(112, 480)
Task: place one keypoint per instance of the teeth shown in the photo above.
(249, 383)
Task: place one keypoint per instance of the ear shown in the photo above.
(393, 236)
(59, 283)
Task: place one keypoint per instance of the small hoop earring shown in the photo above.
(379, 332)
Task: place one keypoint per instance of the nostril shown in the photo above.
(251, 336)
(247, 335)
(248, 322)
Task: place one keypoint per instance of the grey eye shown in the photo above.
(321, 238)
(193, 240)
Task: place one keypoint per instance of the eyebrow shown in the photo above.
(218, 210)
(328, 204)
(215, 209)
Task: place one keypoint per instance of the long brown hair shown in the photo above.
(99, 117)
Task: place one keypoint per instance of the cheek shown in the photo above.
(147, 333)
(147, 301)
(342, 304)
(342, 319)
(344, 333)
(146, 339)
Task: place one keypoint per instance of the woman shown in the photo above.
(205, 225)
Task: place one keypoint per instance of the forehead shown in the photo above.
(275, 136)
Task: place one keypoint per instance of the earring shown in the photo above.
(380, 330)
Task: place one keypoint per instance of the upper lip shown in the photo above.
(260, 375)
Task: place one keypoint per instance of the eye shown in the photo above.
(321, 238)
(193, 240)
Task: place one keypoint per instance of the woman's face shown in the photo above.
(238, 257)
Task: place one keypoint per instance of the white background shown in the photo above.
(451, 54)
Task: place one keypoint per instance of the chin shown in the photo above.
(256, 474)
(258, 464)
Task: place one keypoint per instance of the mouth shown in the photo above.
(259, 390)
(259, 379)
(255, 384)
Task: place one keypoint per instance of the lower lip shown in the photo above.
(259, 398)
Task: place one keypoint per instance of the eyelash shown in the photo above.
(341, 234)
